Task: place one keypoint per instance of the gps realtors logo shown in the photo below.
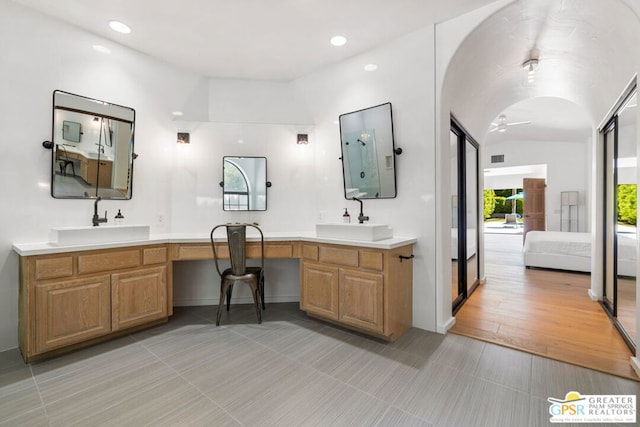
(577, 408)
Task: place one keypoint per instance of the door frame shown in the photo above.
(611, 124)
(463, 137)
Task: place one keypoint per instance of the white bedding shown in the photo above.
(572, 251)
(558, 242)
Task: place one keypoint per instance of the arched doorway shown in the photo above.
(574, 45)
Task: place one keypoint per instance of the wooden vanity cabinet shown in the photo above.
(362, 288)
(73, 299)
(93, 175)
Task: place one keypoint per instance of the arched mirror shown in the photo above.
(92, 148)
(368, 157)
(244, 185)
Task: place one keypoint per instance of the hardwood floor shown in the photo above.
(547, 313)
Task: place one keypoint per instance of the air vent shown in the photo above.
(499, 158)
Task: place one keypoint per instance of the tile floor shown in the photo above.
(289, 371)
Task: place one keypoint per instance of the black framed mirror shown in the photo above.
(368, 153)
(92, 148)
(244, 185)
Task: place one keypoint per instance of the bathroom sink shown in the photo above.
(96, 155)
(363, 232)
(63, 236)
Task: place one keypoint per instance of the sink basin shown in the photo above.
(63, 236)
(96, 155)
(364, 232)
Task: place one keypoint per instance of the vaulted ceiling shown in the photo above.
(587, 51)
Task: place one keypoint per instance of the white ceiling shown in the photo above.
(585, 48)
(253, 39)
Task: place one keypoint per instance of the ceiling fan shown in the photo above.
(502, 124)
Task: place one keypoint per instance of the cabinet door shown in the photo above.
(84, 169)
(71, 311)
(319, 291)
(104, 174)
(361, 300)
(138, 297)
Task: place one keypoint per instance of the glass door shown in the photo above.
(619, 294)
(465, 210)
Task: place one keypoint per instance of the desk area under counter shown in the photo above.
(73, 296)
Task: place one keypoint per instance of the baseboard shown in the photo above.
(593, 296)
(444, 328)
(635, 364)
(191, 302)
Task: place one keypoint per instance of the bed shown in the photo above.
(572, 251)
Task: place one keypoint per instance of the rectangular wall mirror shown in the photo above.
(92, 148)
(368, 159)
(244, 183)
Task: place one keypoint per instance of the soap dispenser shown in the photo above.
(119, 218)
(346, 218)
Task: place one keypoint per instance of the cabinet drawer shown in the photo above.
(310, 252)
(339, 256)
(371, 260)
(107, 261)
(271, 250)
(154, 255)
(50, 268)
(191, 251)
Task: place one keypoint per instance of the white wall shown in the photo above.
(307, 179)
(562, 174)
(405, 78)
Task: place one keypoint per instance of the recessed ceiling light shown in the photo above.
(338, 40)
(370, 67)
(120, 27)
(177, 113)
(240, 141)
(101, 49)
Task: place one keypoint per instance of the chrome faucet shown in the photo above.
(96, 220)
(361, 217)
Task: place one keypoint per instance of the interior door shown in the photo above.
(465, 215)
(534, 204)
(620, 215)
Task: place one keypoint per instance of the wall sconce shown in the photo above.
(303, 138)
(183, 138)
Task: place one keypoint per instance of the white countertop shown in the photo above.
(42, 248)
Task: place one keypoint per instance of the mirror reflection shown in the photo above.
(92, 148)
(244, 183)
(368, 160)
